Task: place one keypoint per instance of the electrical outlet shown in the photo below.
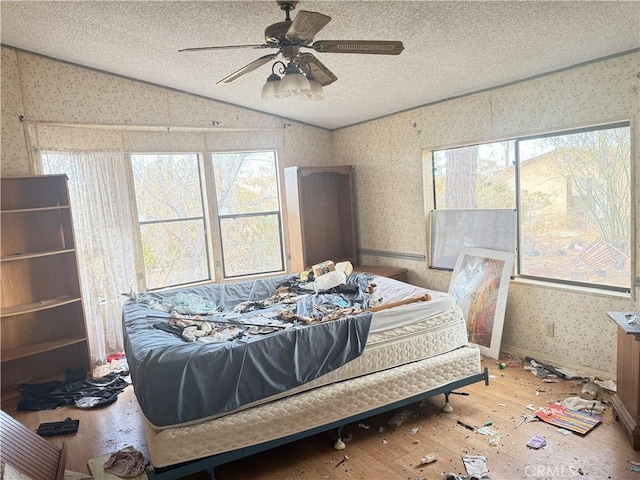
(550, 329)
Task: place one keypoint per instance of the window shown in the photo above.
(171, 216)
(478, 176)
(249, 212)
(572, 194)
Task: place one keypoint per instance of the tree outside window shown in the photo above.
(572, 195)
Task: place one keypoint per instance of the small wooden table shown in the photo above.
(626, 401)
(390, 272)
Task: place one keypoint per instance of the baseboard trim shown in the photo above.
(593, 372)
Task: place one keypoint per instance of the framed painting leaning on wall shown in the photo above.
(479, 285)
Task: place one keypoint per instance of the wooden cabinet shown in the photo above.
(320, 215)
(626, 401)
(41, 314)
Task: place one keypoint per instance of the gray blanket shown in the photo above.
(178, 382)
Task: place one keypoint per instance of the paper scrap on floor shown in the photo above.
(476, 466)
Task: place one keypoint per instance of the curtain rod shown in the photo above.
(215, 128)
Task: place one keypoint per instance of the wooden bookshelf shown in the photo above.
(43, 325)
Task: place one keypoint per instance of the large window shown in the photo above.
(171, 200)
(248, 212)
(572, 194)
(171, 216)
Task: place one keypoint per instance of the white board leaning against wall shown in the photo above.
(453, 230)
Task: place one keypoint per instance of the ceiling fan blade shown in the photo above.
(378, 47)
(319, 72)
(306, 25)
(248, 68)
(195, 49)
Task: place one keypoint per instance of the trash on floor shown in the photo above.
(344, 459)
(486, 431)
(526, 419)
(429, 458)
(453, 476)
(589, 391)
(546, 368)
(571, 374)
(609, 385)
(476, 466)
(466, 425)
(589, 406)
(513, 361)
(399, 418)
(537, 442)
(65, 427)
(413, 431)
(127, 462)
(635, 466)
(564, 417)
(536, 371)
(364, 425)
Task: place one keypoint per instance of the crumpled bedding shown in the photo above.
(179, 382)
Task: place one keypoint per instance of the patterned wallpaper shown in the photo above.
(392, 196)
(48, 92)
(392, 190)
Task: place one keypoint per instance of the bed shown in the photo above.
(206, 403)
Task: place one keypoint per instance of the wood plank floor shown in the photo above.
(602, 454)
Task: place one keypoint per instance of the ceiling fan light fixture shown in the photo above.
(271, 88)
(316, 92)
(294, 82)
(288, 37)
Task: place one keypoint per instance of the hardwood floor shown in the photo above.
(602, 454)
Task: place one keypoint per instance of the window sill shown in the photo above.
(601, 292)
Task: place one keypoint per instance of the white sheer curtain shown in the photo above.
(104, 232)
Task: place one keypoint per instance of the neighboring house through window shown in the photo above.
(572, 194)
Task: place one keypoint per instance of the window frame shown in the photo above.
(206, 220)
(625, 123)
(211, 218)
(278, 213)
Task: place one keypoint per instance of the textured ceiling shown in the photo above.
(451, 48)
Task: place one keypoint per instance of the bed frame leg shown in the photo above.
(447, 408)
(212, 473)
(339, 444)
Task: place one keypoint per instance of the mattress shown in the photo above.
(310, 409)
(388, 348)
(392, 337)
(388, 290)
(177, 381)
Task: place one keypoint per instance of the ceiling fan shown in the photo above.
(304, 75)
